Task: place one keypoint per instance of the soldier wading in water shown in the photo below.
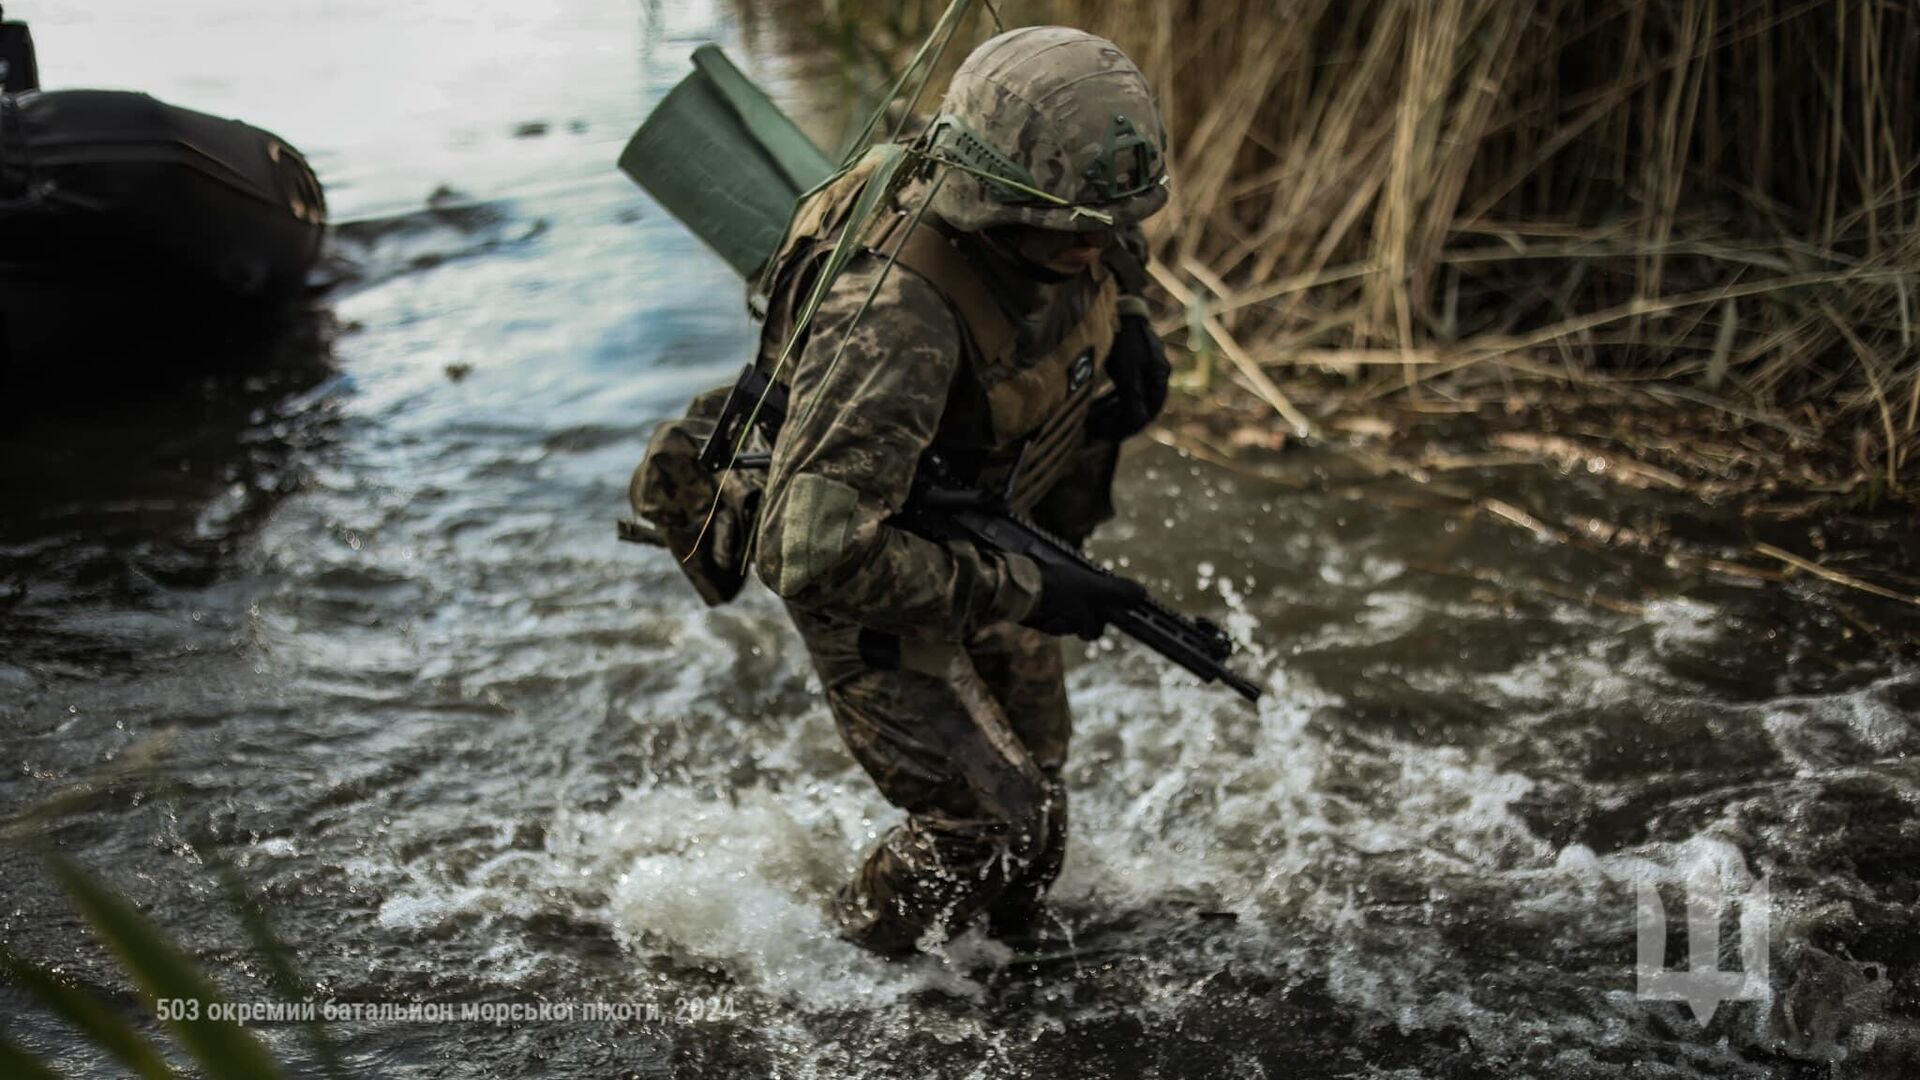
(1008, 337)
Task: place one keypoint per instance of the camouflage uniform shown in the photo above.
(958, 713)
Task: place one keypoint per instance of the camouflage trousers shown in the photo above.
(970, 741)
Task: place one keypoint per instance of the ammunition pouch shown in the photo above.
(705, 519)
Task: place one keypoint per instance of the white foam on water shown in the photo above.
(1385, 615)
(1679, 623)
(1351, 567)
(743, 885)
(1584, 674)
(742, 882)
(430, 900)
(1182, 798)
(1208, 805)
(1702, 860)
(278, 847)
(1822, 731)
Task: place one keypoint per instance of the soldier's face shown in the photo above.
(1060, 251)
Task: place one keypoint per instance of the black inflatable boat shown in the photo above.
(118, 209)
(107, 182)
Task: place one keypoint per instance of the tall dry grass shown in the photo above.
(1709, 200)
(1720, 194)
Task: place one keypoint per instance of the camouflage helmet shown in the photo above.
(1049, 126)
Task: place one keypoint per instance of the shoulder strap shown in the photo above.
(927, 253)
(1127, 267)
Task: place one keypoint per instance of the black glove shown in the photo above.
(1078, 601)
(1138, 367)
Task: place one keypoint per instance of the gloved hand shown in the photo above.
(1138, 367)
(1075, 600)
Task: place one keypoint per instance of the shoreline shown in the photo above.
(1571, 468)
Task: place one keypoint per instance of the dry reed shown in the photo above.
(1714, 201)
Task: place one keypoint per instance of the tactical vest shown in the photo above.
(1018, 410)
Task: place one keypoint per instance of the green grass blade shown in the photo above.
(949, 19)
(20, 1065)
(31, 824)
(162, 970)
(284, 977)
(89, 1014)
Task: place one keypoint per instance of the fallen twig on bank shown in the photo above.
(1570, 454)
(1834, 576)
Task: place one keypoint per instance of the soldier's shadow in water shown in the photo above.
(138, 457)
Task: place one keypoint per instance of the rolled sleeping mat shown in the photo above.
(724, 160)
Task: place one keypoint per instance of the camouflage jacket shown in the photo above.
(845, 462)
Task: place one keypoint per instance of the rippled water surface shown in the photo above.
(468, 748)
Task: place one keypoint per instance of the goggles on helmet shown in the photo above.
(1129, 164)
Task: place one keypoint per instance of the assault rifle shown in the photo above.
(942, 508)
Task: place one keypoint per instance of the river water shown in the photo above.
(467, 748)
